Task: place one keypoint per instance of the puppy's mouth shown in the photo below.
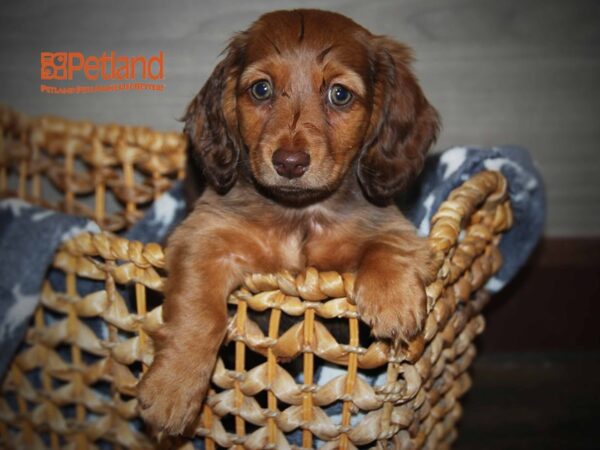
(294, 195)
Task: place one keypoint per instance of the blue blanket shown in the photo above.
(29, 236)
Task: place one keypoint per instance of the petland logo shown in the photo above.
(127, 70)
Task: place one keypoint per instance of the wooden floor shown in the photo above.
(533, 401)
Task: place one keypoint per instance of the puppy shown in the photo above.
(305, 132)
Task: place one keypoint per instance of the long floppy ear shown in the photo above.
(211, 122)
(403, 125)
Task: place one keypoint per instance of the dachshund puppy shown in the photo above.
(305, 132)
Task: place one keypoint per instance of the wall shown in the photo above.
(522, 72)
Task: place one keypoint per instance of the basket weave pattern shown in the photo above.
(83, 161)
(72, 387)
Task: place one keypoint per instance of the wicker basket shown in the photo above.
(71, 387)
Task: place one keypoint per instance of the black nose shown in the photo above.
(291, 163)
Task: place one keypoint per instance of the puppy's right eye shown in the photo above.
(261, 90)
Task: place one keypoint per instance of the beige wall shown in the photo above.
(521, 72)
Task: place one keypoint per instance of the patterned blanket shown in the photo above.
(29, 235)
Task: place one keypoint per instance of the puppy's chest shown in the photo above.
(314, 245)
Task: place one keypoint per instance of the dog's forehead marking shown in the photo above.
(323, 53)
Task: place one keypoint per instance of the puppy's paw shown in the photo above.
(392, 301)
(170, 396)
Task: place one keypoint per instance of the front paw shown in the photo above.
(170, 395)
(392, 301)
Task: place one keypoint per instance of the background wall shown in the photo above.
(520, 72)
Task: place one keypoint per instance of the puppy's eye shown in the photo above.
(338, 95)
(261, 90)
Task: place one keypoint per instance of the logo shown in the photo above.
(112, 72)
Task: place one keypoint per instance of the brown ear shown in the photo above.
(211, 123)
(402, 128)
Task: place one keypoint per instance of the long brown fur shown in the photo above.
(336, 216)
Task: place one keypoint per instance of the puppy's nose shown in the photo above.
(290, 164)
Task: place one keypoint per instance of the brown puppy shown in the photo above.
(305, 131)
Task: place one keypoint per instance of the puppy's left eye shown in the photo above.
(261, 90)
(338, 95)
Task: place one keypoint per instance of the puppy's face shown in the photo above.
(302, 95)
(303, 101)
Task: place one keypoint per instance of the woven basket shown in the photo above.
(71, 387)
